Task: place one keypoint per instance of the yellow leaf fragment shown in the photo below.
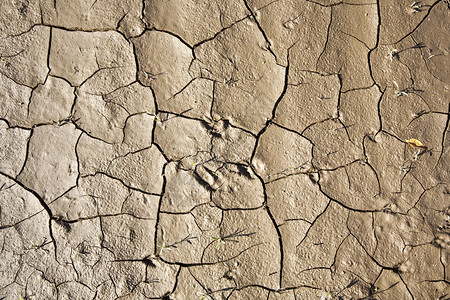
(416, 144)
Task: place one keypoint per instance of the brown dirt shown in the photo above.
(229, 149)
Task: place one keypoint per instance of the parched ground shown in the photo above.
(229, 149)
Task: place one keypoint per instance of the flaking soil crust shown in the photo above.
(229, 149)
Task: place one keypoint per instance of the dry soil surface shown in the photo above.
(229, 149)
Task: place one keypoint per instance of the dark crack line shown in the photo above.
(408, 171)
(195, 217)
(59, 77)
(32, 93)
(411, 89)
(423, 113)
(294, 220)
(122, 181)
(261, 132)
(442, 261)
(374, 291)
(27, 31)
(338, 106)
(280, 98)
(11, 127)
(188, 212)
(136, 62)
(257, 136)
(41, 15)
(340, 3)
(371, 167)
(337, 201)
(406, 286)
(50, 40)
(374, 233)
(182, 89)
(280, 238)
(420, 23)
(267, 5)
(177, 280)
(78, 158)
(58, 123)
(444, 135)
(15, 81)
(426, 62)
(313, 269)
(238, 208)
(337, 251)
(421, 196)
(348, 179)
(119, 156)
(60, 219)
(315, 123)
(102, 69)
(11, 55)
(62, 195)
(43, 204)
(312, 224)
(292, 131)
(392, 135)
(393, 269)
(76, 123)
(287, 175)
(219, 32)
(26, 153)
(378, 29)
(158, 214)
(359, 88)
(71, 29)
(357, 39)
(208, 291)
(346, 131)
(380, 118)
(369, 63)
(105, 95)
(261, 30)
(356, 238)
(21, 221)
(125, 13)
(2, 188)
(114, 284)
(210, 243)
(125, 126)
(213, 100)
(176, 115)
(103, 239)
(326, 42)
(181, 264)
(174, 35)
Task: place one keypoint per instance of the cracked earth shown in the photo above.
(244, 149)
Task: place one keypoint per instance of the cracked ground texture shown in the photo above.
(229, 149)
